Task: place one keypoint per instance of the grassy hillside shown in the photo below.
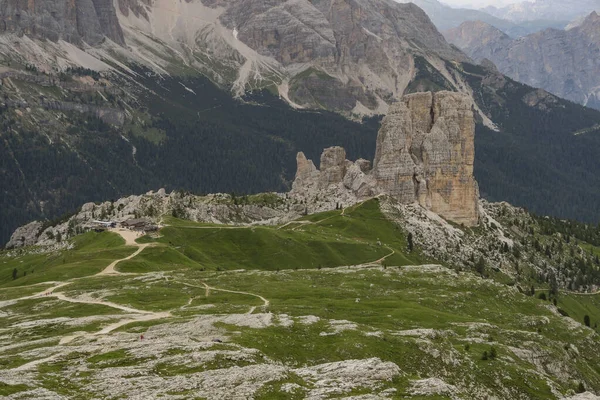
(90, 254)
(282, 313)
(360, 235)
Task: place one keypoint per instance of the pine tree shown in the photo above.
(480, 266)
(553, 286)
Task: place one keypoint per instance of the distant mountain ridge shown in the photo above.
(553, 10)
(446, 17)
(566, 63)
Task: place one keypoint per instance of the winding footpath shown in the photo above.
(135, 315)
(208, 289)
(132, 314)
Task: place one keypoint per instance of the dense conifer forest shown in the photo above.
(205, 142)
(188, 134)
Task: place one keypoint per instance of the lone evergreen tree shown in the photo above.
(586, 320)
(411, 244)
(14, 275)
(553, 286)
(480, 266)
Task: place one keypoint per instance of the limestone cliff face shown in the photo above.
(350, 56)
(563, 62)
(361, 51)
(70, 20)
(425, 154)
(353, 56)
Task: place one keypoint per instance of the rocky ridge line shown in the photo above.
(76, 21)
(563, 62)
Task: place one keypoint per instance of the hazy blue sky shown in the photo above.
(479, 3)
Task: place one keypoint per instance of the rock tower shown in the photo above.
(425, 154)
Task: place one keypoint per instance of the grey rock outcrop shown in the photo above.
(25, 236)
(333, 166)
(73, 21)
(565, 63)
(351, 56)
(306, 172)
(425, 154)
(213, 208)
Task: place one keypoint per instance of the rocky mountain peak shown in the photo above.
(475, 35)
(74, 21)
(590, 25)
(425, 154)
(563, 62)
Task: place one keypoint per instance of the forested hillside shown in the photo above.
(186, 133)
(545, 156)
(196, 138)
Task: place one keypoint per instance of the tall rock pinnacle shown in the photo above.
(425, 154)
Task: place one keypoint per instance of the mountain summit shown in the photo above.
(88, 21)
(566, 63)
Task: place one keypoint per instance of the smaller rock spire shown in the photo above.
(425, 154)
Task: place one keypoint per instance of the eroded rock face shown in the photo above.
(365, 43)
(352, 56)
(25, 236)
(333, 166)
(306, 173)
(70, 20)
(563, 62)
(425, 154)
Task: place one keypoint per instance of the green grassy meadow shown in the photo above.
(331, 287)
(91, 253)
(361, 235)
